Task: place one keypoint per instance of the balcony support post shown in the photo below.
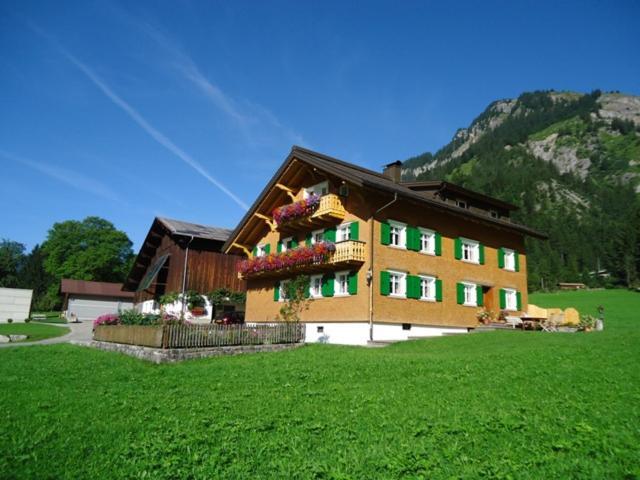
(269, 221)
(287, 190)
(242, 247)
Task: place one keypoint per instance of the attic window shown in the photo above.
(493, 214)
(461, 204)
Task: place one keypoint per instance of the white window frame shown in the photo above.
(470, 294)
(462, 204)
(312, 281)
(510, 299)
(318, 187)
(401, 292)
(429, 282)
(509, 259)
(261, 250)
(402, 234)
(343, 232)
(473, 247)
(337, 290)
(431, 242)
(284, 243)
(282, 294)
(315, 235)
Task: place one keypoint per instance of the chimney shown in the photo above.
(393, 171)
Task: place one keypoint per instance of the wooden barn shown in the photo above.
(178, 256)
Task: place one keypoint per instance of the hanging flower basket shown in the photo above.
(304, 255)
(295, 210)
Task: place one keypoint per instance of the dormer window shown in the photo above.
(461, 204)
(319, 189)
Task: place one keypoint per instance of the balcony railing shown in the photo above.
(315, 258)
(295, 216)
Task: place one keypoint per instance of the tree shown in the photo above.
(296, 298)
(34, 276)
(91, 249)
(11, 260)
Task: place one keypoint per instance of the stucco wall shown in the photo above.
(15, 303)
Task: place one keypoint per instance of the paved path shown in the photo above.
(80, 332)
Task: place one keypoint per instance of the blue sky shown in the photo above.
(127, 110)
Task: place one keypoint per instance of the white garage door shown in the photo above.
(88, 308)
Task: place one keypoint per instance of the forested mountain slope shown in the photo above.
(571, 162)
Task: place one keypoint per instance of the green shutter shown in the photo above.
(458, 248)
(330, 234)
(413, 286)
(307, 240)
(503, 299)
(307, 290)
(384, 283)
(267, 249)
(327, 284)
(481, 253)
(518, 301)
(353, 283)
(385, 233)
(276, 292)
(279, 246)
(501, 257)
(438, 290)
(354, 230)
(255, 251)
(460, 293)
(517, 261)
(479, 296)
(438, 244)
(413, 238)
(294, 243)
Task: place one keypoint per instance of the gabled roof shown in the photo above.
(363, 177)
(187, 229)
(443, 186)
(98, 289)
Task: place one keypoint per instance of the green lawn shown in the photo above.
(496, 405)
(51, 317)
(33, 330)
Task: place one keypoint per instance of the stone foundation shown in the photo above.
(172, 355)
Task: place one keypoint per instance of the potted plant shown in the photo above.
(195, 303)
(587, 323)
(485, 316)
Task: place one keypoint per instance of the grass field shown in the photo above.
(496, 405)
(51, 317)
(34, 331)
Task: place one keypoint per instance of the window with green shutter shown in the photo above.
(438, 290)
(458, 248)
(518, 301)
(353, 283)
(293, 243)
(413, 239)
(503, 299)
(460, 293)
(267, 249)
(438, 244)
(354, 231)
(384, 283)
(501, 257)
(255, 251)
(308, 240)
(330, 234)
(385, 233)
(481, 254)
(479, 296)
(276, 292)
(328, 285)
(413, 286)
(279, 247)
(517, 261)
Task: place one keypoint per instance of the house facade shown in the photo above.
(178, 256)
(387, 260)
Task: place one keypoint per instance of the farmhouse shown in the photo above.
(85, 300)
(178, 257)
(387, 260)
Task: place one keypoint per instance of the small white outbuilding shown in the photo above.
(15, 303)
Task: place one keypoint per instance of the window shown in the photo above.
(428, 288)
(461, 203)
(343, 232)
(315, 286)
(261, 250)
(510, 299)
(470, 294)
(493, 214)
(321, 188)
(288, 244)
(470, 251)
(317, 236)
(398, 234)
(509, 259)
(397, 284)
(341, 284)
(320, 329)
(284, 291)
(427, 241)
(406, 326)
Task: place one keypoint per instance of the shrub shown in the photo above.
(587, 322)
(108, 319)
(9, 320)
(133, 317)
(27, 320)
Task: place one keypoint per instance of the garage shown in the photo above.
(86, 300)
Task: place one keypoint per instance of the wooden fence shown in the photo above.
(199, 336)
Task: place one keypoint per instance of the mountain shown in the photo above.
(571, 162)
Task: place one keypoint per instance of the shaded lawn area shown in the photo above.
(50, 317)
(498, 405)
(34, 331)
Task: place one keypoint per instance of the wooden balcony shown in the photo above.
(347, 254)
(329, 211)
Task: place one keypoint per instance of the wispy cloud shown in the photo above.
(68, 177)
(154, 133)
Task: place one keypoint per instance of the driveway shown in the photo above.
(80, 332)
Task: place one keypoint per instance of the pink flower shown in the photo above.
(298, 209)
